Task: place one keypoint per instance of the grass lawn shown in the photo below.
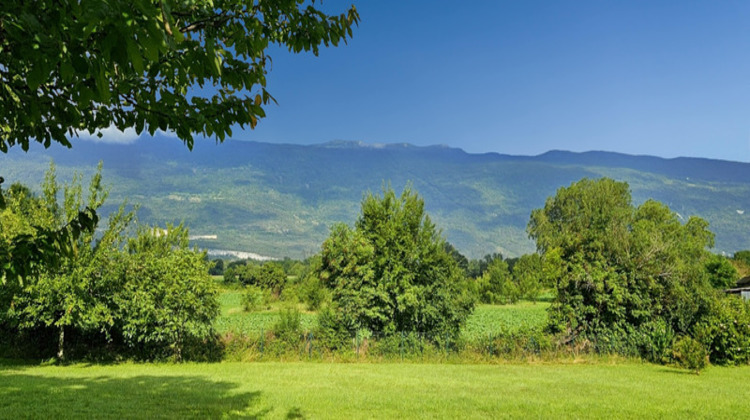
(321, 390)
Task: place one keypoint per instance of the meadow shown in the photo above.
(566, 386)
(564, 389)
(485, 320)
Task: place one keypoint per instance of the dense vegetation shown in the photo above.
(144, 294)
(634, 280)
(614, 279)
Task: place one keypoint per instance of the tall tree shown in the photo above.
(191, 66)
(620, 268)
(392, 273)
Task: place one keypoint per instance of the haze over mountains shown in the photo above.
(281, 199)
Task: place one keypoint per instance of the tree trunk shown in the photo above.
(61, 343)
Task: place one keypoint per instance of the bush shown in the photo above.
(655, 341)
(331, 333)
(690, 354)
(726, 331)
(288, 329)
(254, 299)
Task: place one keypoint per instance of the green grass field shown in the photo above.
(485, 320)
(233, 318)
(321, 390)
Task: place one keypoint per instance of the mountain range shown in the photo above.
(280, 200)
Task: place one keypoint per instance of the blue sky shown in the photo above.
(665, 78)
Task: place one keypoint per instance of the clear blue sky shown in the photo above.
(665, 78)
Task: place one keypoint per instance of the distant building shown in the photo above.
(742, 288)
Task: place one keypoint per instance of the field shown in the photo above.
(484, 321)
(568, 387)
(319, 390)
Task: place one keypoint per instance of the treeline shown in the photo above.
(624, 279)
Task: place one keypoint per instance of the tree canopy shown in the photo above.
(392, 272)
(190, 66)
(619, 269)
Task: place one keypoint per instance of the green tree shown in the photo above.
(620, 268)
(217, 269)
(150, 294)
(69, 66)
(64, 295)
(271, 276)
(165, 296)
(527, 274)
(391, 273)
(721, 272)
(496, 285)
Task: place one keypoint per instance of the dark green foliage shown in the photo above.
(721, 272)
(130, 63)
(288, 330)
(331, 333)
(618, 268)
(523, 342)
(217, 269)
(478, 267)
(461, 260)
(271, 276)
(690, 354)
(725, 331)
(392, 273)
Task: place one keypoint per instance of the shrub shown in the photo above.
(726, 331)
(331, 333)
(690, 354)
(254, 299)
(288, 329)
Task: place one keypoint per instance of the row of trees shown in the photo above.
(627, 279)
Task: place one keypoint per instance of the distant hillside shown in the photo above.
(280, 199)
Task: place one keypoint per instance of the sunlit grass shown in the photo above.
(321, 390)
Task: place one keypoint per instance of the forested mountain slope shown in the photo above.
(280, 200)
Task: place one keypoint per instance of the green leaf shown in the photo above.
(35, 77)
(66, 70)
(135, 56)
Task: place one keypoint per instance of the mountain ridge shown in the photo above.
(281, 199)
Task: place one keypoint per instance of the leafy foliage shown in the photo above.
(618, 267)
(72, 66)
(166, 297)
(725, 331)
(496, 284)
(392, 272)
(690, 354)
(149, 296)
(35, 236)
(721, 272)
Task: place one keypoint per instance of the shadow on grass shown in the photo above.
(35, 396)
